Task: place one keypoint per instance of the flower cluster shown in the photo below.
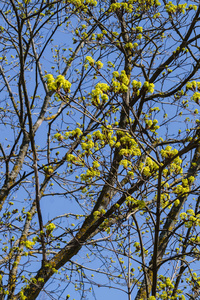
(50, 228)
(140, 204)
(74, 160)
(149, 87)
(142, 5)
(120, 82)
(91, 60)
(132, 46)
(58, 83)
(175, 165)
(98, 213)
(76, 133)
(148, 167)
(183, 188)
(172, 8)
(196, 97)
(152, 125)
(192, 85)
(29, 244)
(136, 86)
(116, 6)
(190, 218)
(129, 146)
(100, 94)
(168, 152)
(165, 287)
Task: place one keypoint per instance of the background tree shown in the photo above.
(100, 148)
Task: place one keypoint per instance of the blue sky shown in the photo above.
(72, 203)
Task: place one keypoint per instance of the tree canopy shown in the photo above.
(100, 149)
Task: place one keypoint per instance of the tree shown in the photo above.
(99, 120)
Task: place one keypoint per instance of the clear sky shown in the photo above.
(68, 198)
